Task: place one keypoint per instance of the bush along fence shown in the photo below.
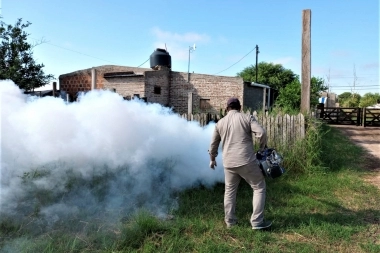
(281, 129)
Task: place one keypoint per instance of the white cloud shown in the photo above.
(284, 60)
(178, 44)
(289, 62)
(189, 37)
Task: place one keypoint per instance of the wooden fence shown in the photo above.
(281, 129)
(349, 116)
(371, 117)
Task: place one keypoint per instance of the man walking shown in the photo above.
(235, 131)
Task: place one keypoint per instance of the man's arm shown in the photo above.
(259, 133)
(213, 151)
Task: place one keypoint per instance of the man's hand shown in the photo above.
(212, 164)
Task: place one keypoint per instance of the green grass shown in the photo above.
(321, 204)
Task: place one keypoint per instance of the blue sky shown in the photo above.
(81, 34)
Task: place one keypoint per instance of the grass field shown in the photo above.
(321, 204)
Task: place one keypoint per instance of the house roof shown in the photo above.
(260, 85)
(121, 74)
(107, 69)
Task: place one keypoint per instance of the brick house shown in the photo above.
(184, 92)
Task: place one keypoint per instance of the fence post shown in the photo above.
(358, 117)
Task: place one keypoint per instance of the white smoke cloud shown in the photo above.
(100, 153)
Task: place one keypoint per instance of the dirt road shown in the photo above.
(369, 139)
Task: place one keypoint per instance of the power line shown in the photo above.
(360, 86)
(67, 48)
(344, 76)
(143, 63)
(88, 54)
(76, 52)
(347, 83)
(356, 89)
(236, 62)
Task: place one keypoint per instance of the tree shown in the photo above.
(344, 96)
(317, 85)
(352, 101)
(16, 58)
(369, 99)
(285, 82)
(274, 75)
(289, 98)
(348, 99)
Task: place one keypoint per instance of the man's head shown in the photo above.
(233, 104)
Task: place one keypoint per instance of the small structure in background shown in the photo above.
(54, 92)
(329, 99)
(260, 96)
(43, 93)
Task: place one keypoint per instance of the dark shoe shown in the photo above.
(263, 225)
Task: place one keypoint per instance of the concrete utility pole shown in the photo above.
(354, 83)
(306, 61)
(93, 79)
(257, 57)
(191, 49)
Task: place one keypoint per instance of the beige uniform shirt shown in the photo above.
(235, 131)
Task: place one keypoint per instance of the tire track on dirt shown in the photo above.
(369, 139)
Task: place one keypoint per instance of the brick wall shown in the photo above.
(81, 80)
(179, 89)
(209, 93)
(157, 85)
(126, 87)
(213, 90)
(76, 81)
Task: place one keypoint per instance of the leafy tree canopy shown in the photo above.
(317, 85)
(289, 98)
(16, 58)
(349, 101)
(285, 82)
(369, 99)
(344, 96)
(273, 75)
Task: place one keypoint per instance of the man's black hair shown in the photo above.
(234, 106)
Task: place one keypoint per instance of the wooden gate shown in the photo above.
(371, 117)
(349, 116)
(341, 116)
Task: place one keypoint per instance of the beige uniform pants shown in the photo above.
(252, 174)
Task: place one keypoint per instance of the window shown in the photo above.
(205, 104)
(157, 90)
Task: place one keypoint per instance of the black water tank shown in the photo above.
(160, 57)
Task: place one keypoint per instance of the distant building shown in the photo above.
(184, 92)
(329, 99)
(45, 93)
